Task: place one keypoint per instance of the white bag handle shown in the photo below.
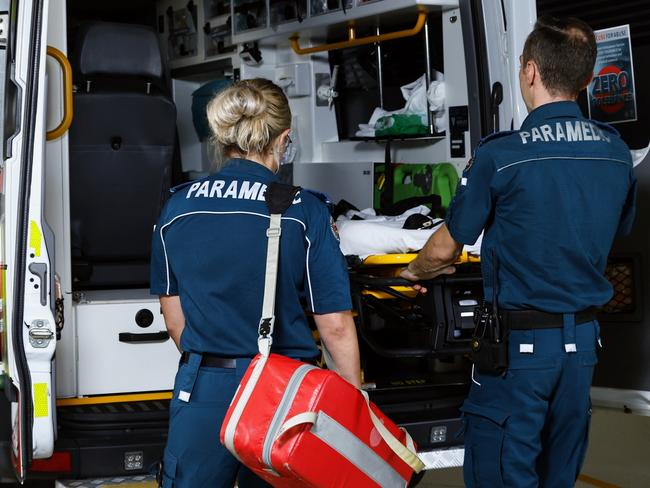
(405, 453)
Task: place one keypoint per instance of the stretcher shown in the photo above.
(395, 321)
(414, 347)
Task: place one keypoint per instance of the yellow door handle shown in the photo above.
(66, 122)
(353, 41)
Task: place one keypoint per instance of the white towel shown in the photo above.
(384, 235)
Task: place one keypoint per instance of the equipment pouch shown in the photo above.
(489, 343)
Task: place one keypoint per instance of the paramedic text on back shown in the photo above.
(550, 199)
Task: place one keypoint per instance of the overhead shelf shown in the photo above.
(318, 24)
(401, 137)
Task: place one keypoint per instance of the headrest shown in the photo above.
(110, 49)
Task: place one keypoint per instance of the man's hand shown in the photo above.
(436, 258)
(411, 276)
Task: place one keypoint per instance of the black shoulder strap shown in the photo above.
(280, 196)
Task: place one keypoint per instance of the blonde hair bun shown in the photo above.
(248, 116)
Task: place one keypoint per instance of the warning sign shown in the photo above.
(612, 96)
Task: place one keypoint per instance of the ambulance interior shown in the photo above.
(143, 71)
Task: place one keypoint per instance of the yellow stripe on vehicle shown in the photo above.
(97, 400)
(35, 238)
(41, 400)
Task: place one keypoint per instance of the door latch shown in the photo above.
(39, 335)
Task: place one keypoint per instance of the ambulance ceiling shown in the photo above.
(132, 11)
(604, 13)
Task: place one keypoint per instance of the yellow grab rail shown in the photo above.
(353, 41)
(65, 124)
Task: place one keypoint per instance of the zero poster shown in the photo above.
(612, 92)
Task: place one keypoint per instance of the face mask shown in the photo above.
(290, 151)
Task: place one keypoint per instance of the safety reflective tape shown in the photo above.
(354, 450)
(41, 400)
(290, 392)
(35, 237)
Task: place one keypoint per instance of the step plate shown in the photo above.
(121, 481)
(443, 458)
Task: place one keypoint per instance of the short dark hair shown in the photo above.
(565, 53)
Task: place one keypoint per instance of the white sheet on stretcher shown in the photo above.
(384, 235)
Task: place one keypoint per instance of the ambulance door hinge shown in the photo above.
(59, 308)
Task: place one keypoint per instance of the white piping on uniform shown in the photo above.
(162, 227)
(473, 380)
(311, 295)
(561, 157)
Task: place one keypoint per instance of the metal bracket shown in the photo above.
(39, 335)
(40, 270)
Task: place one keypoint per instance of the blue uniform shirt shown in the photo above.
(209, 248)
(551, 197)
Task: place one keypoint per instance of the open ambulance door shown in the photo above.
(495, 31)
(27, 243)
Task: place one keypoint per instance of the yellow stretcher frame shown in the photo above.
(404, 260)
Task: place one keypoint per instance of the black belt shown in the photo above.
(535, 319)
(212, 361)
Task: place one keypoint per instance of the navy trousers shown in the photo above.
(194, 457)
(529, 428)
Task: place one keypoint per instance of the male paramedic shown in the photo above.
(551, 197)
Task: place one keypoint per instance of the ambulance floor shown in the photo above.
(617, 455)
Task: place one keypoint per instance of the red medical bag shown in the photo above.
(296, 425)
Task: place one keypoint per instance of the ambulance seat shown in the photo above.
(121, 149)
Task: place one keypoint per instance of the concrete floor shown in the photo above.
(617, 457)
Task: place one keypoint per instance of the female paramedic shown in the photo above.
(207, 266)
